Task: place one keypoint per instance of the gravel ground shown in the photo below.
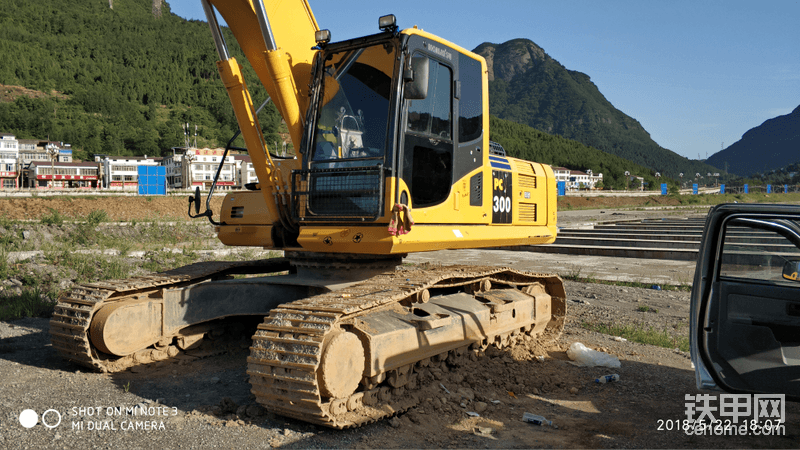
(206, 403)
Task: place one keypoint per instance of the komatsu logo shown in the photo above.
(441, 52)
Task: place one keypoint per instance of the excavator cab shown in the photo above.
(358, 120)
(347, 149)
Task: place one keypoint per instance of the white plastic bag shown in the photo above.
(583, 356)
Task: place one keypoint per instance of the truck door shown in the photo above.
(745, 311)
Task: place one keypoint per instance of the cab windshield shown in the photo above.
(352, 120)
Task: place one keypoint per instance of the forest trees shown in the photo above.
(115, 81)
(522, 141)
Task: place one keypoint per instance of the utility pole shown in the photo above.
(19, 171)
(188, 157)
(52, 150)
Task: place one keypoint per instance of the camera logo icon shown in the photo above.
(50, 418)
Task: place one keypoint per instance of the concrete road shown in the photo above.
(648, 271)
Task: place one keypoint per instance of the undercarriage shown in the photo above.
(345, 340)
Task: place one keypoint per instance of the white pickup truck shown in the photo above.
(745, 310)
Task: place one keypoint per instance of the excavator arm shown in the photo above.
(283, 70)
(277, 41)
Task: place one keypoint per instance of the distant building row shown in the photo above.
(575, 179)
(16, 154)
(185, 169)
(30, 163)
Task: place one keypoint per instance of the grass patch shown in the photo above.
(645, 308)
(90, 267)
(5, 222)
(575, 275)
(30, 303)
(54, 217)
(159, 260)
(5, 268)
(96, 217)
(642, 335)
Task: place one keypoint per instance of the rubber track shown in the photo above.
(287, 347)
(69, 326)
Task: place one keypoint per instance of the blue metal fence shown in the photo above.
(152, 180)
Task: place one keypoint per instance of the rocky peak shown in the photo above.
(508, 59)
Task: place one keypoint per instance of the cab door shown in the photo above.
(745, 307)
(427, 132)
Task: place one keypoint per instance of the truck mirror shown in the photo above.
(416, 77)
(791, 268)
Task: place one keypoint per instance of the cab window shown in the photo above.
(428, 146)
(353, 119)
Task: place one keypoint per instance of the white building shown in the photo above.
(245, 170)
(190, 167)
(594, 179)
(121, 172)
(203, 164)
(174, 168)
(9, 161)
(575, 179)
(31, 150)
(578, 180)
(62, 175)
(561, 173)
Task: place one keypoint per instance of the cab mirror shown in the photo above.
(791, 268)
(197, 200)
(416, 77)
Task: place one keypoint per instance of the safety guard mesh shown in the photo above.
(338, 194)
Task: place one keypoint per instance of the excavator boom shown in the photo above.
(277, 38)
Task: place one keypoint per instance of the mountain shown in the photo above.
(527, 86)
(771, 145)
(124, 80)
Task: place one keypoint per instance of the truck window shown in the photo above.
(755, 254)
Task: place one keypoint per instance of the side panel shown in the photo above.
(501, 196)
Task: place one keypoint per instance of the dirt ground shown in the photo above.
(205, 402)
(118, 208)
(616, 202)
(175, 207)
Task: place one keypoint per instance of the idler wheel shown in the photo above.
(342, 365)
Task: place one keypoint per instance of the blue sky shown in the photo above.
(695, 74)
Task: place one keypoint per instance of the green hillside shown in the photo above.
(522, 141)
(117, 81)
(528, 86)
(769, 146)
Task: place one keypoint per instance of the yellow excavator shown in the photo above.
(393, 157)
